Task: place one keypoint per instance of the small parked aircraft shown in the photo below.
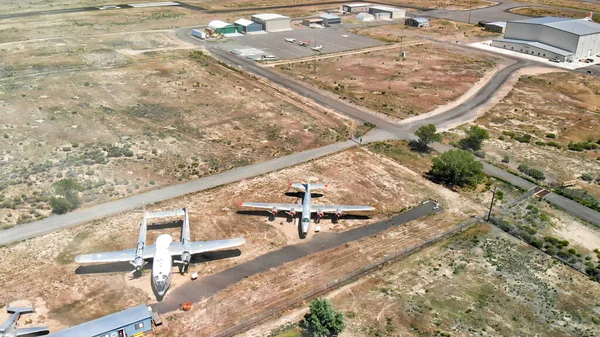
(304, 44)
(307, 208)
(163, 251)
(9, 328)
(317, 48)
(290, 39)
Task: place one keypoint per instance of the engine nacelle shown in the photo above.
(292, 212)
(273, 211)
(186, 257)
(320, 214)
(338, 213)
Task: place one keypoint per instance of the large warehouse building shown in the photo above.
(247, 26)
(221, 27)
(356, 8)
(563, 39)
(273, 22)
(386, 12)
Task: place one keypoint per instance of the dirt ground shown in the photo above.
(582, 5)
(119, 114)
(560, 105)
(355, 177)
(534, 11)
(431, 75)
(481, 282)
(446, 4)
(439, 29)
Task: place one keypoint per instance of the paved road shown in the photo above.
(79, 216)
(209, 285)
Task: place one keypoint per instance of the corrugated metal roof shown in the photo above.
(329, 16)
(215, 24)
(577, 27)
(365, 17)
(243, 22)
(499, 24)
(107, 323)
(538, 45)
(421, 19)
(387, 8)
(269, 16)
(358, 5)
(542, 20)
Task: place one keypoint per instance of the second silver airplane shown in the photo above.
(307, 208)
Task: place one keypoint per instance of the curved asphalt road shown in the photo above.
(209, 285)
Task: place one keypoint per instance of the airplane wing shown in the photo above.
(198, 247)
(335, 208)
(120, 256)
(279, 207)
(36, 331)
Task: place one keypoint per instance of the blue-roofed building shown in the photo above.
(563, 39)
(135, 321)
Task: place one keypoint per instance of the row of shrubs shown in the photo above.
(552, 246)
(532, 172)
(526, 138)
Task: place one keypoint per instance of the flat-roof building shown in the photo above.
(387, 12)
(496, 27)
(312, 22)
(247, 26)
(131, 322)
(356, 7)
(273, 22)
(330, 19)
(564, 39)
(365, 17)
(417, 22)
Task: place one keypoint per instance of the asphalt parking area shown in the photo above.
(332, 39)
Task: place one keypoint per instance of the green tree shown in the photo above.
(457, 167)
(427, 134)
(68, 190)
(474, 139)
(322, 320)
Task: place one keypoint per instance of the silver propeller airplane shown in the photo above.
(9, 328)
(163, 251)
(307, 208)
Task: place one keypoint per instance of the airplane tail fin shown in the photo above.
(20, 310)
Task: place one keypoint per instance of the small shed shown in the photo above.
(417, 22)
(365, 17)
(496, 27)
(221, 27)
(330, 19)
(273, 22)
(356, 7)
(382, 12)
(247, 26)
(131, 322)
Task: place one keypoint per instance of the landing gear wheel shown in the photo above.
(317, 229)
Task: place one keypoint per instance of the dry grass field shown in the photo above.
(446, 4)
(439, 29)
(431, 75)
(536, 11)
(556, 109)
(357, 176)
(483, 282)
(127, 113)
(581, 5)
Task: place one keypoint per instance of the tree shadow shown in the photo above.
(417, 146)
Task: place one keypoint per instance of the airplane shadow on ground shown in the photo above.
(165, 225)
(300, 194)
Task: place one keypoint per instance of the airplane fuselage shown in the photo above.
(162, 264)
(306, 210)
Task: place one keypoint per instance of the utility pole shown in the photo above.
(402, 42)
(469, 15)
(492, 203)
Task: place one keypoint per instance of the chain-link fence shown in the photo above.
(272, 309)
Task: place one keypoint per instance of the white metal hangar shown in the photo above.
(273, 22)
(381, 12)
(562, 39)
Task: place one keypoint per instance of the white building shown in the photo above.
(387, 12)
(552, 38)
(356, 7)
(273, 22)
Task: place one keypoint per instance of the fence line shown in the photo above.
(342, 280)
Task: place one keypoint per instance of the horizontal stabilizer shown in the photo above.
(164, 214)
(20, 310)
